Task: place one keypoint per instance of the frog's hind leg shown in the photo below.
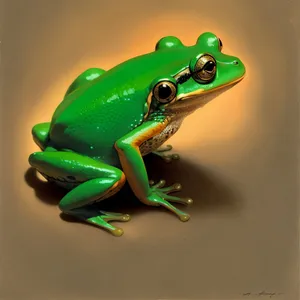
(161, 152)
(91, 191)
(88, 180)
(85, 77)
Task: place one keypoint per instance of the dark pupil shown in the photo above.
(164, 91)
(209, 66)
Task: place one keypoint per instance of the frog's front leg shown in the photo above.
(88, 181)
(166, 157)
(135, 170)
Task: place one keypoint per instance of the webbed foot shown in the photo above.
(160, 197)
(105, 217)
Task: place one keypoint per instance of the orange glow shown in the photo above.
(224, 119)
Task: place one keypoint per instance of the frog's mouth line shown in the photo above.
(199, 93)
(192, 101)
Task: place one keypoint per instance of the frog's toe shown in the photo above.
(176, 187)
(151, 182)
(102, 221)
(166, 157)
(160, 184)
(181, 200)
(164, 148)
(109, 216)
(184, 218)
(175, 156)
(117, 232)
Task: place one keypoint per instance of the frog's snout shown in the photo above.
(239, 68)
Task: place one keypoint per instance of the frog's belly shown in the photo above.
(156, 141)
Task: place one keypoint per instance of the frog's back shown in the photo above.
(90, 122)
(91, 119)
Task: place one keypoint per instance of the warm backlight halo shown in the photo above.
(225, 116)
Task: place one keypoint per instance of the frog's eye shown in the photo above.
(205, 69)
(165, 91)
(220, 44)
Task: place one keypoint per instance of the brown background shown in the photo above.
(239, 157)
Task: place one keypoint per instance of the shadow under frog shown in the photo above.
(208, 192)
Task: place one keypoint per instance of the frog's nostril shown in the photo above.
(235, 62)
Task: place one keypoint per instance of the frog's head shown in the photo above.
(196, 75)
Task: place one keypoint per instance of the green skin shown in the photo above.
(108, 120)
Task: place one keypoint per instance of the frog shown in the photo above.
(109, 120)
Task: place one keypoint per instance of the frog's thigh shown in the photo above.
(95, 181)
(85, 77)
(40, 133)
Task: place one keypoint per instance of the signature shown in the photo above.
(263, 293)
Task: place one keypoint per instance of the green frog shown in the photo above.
(109, 120)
